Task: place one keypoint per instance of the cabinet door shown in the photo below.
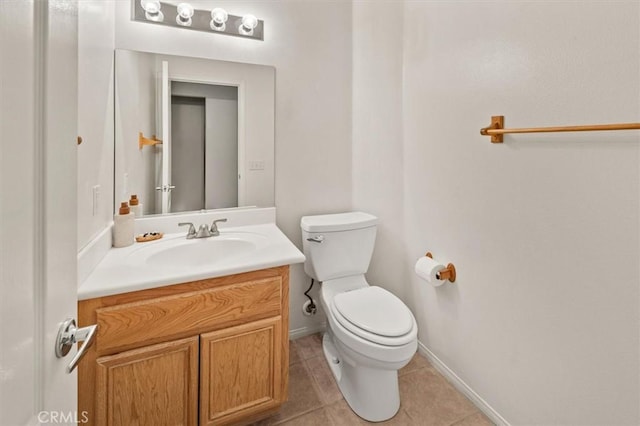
(154, 385)
(240, 371)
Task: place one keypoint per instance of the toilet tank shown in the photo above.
(343, 244)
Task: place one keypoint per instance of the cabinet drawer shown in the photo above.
(142, 323)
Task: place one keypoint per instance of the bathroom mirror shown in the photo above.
(193, 134)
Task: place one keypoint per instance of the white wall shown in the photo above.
(135, 80)
(309, 44)
(377, 162)
(543, 319)
(95, 116)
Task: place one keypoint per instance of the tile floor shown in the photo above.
(315, 400)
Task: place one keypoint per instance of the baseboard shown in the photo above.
(305, 331)
(461, 386)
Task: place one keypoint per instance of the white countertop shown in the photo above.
(117, 273)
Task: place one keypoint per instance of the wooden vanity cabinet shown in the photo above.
(209, 352)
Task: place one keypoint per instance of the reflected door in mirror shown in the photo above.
(204, 146)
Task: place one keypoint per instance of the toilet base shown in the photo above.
(372, 393)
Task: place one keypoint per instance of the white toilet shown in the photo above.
(371, 333)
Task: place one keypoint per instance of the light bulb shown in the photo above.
(249, 22)
(152, 10)
(185, 12)
(219, 18)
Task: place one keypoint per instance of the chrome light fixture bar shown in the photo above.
(216, 21)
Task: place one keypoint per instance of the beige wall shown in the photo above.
(135, 111)
(377, 163)
(543, 321)
(96, 38)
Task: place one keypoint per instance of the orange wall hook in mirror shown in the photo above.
(142, 141)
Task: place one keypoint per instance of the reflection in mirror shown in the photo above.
(193, 134)
(204, 146)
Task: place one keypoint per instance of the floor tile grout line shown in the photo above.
(316, 385)
(411, 371)
(406, 413)
(465, 417)
(314, 389)
(296, 342)
(304, 413)
(323, 395)
(332, 415)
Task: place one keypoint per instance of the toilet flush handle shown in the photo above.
(316, 239)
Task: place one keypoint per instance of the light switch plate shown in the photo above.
(96, 199)
(256, 165)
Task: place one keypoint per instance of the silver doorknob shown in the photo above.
(165, 188)
(69, 335)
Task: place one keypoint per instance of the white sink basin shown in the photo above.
(197, 252)
(175, 260)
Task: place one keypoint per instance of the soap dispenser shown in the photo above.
(123, 226)
(136, 206)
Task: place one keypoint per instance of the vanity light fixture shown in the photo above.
(152, 10)
(185, 12)
(219, 18)
(185, 16)
(248, 24)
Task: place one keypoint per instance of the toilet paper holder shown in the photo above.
(448, 273)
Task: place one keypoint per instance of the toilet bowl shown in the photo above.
(371, 333)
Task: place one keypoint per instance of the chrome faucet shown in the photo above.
(214, 227)
(204, 231)
(192, 229)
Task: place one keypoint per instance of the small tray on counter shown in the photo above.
(149, 236)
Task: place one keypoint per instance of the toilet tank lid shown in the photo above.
(337, 222)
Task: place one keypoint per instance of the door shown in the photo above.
(187, 153)
(153, 385)
(240, 371)
(166, 186)
(221, 153)
(37, 208)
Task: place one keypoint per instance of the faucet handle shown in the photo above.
(192, 229)
(214, 227)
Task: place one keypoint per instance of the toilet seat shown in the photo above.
(374, 314)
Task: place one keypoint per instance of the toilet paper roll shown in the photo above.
(427, 268)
